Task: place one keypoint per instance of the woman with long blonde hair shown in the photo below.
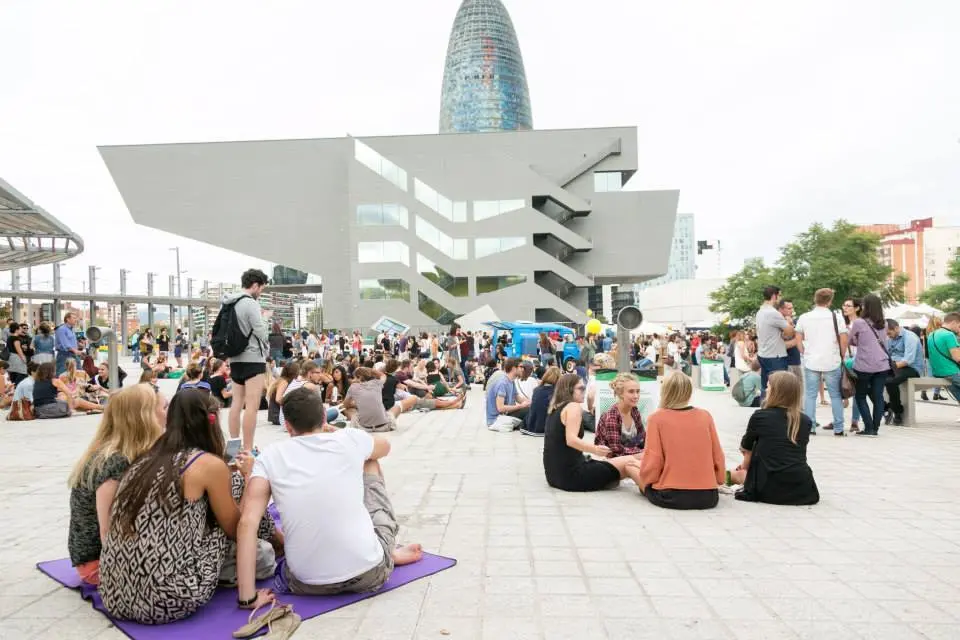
(683, 461)
(774, 448)
(130, 425)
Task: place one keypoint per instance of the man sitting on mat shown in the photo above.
(339, 527)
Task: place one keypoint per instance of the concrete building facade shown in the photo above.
(419, 228)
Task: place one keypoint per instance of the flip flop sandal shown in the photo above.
(283, 628)
(255, 624)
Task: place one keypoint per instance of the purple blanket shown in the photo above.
(220, 617)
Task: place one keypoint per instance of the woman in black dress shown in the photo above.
(775, 468)
(564, 462)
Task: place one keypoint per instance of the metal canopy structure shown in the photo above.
(29, 236)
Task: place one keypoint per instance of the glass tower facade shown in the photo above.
(484, 83)
(683, 254)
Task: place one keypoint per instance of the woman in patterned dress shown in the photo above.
(171, 519)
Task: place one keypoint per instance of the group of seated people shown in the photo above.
(154, 489)
(50, 396)
(676, 459)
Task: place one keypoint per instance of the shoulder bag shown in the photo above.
(21, 410)
(848, 378)
(890, 363)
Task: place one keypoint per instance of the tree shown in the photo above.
(945, 296)
(841, 258)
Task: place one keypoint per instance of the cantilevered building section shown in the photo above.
(484, 83)
(29, 236)
(419, 228)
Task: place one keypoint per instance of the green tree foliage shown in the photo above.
(840, 257)
(945, 296)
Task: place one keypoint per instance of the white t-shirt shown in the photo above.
(526, 387)
(820, 350)
(651, 354)
(317, 484)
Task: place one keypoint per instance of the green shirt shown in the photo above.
(940, 343)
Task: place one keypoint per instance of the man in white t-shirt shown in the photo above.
(823, 337)
(338, 523)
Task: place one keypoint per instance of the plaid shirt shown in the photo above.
(610, 433)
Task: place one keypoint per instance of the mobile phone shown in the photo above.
(233, 448)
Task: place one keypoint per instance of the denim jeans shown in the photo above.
(871, 385)
(811, 389)
(768, 366)
(62, 357)
(954, 387)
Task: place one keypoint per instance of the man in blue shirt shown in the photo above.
(504, 412)
(906, 351)
(66, 341)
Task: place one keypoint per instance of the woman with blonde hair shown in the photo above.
(620, 428)
(130, 425)
(774, 448)
(682, 461)
(564, 463)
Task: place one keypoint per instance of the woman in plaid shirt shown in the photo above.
(620, 429)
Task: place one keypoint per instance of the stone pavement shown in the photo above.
(877, 558)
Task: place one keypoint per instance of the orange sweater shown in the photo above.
(682, 451)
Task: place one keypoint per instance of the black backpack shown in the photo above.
(228, 340)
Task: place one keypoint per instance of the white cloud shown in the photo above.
(766, 116)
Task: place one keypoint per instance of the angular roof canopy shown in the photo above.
(29, 236)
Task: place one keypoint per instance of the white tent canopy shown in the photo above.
(474, 320)
(911, 311)
(651, 328)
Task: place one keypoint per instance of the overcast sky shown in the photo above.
(767, 116)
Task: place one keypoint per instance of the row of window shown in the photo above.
(380, 165)
(453, 211)
(483, 209)
(383, 251)
(455, 248)
(604, 181)
(372, 215)
(397, 289)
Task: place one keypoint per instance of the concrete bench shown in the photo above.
(908, 395)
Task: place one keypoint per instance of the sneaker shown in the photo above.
(840, 434)
(898, 421)
(923, 396)
(854, 428)
(937, 396)
(887, 416)
(813, 431)
(827, 427)
(872, 434)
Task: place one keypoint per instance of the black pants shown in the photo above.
(520, 413)
(870, 386)
(683, 498)
(893, 388)
(15, 378)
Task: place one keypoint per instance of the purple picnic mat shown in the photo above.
(220, 617)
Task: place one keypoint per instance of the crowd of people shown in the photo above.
(158, 485)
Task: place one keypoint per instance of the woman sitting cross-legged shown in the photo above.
(535, 423)
(682, 460)
(131, 424)
(564, 462)
(775, 468)
(620, 428)
(171, 518)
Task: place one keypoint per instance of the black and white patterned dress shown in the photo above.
(170, 567)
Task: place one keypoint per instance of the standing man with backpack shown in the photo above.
(240, 335)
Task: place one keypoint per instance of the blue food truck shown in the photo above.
(524, 337)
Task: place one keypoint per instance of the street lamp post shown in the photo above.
(176, 250)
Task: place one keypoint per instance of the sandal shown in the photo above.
(268, 619)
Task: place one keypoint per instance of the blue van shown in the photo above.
(523, 338)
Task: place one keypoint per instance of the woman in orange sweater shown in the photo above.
(682, 462)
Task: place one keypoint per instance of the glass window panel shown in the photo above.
(459, 211)
(460, 249)
(511, 243)
(391, 214)
(404, 216)
(486, 247)
(401, 180)
(425, 194)
(489, 284)
(435, 310)
(599, 182)
(428, 233)
(371, 290)
(483, 209)
(369, 214)
(444, 207)
(506, 206)
(369, 252)
(390, 171)
(367, 156)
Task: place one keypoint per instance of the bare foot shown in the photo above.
(407, 554)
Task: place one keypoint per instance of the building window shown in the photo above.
(455, 248)
(386, 251)
(373, 215)
(379, 165)
(604, 181)
(489, 284)
(489, 246)
(458, 287)
(483, 209)
(384, 290)
(453, 211)
(435, 310)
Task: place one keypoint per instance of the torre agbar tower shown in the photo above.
(484, 83)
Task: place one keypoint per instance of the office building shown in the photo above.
(484, 83)
(683, 254)
(423, 228)
(283, 306)
(287, 275)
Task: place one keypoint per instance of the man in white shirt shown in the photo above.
(772, 330)
(339, 527)
(822, 337)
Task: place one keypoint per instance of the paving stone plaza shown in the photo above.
(879, 557)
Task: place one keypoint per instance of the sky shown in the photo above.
(767, 116)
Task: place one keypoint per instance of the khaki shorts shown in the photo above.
(378, 505)
(389, 425)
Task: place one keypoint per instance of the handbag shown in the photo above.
(848, 378)
(21, 410)
(890, 363)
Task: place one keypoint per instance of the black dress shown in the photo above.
(778, 471)
(569, 469)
